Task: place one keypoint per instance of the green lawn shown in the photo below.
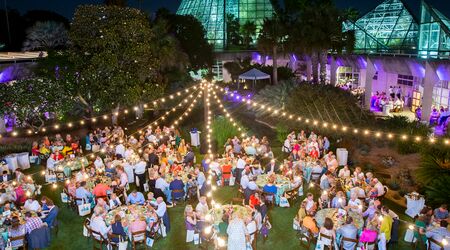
(282, 236)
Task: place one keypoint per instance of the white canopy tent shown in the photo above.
(254, 74)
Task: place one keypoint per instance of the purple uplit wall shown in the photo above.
(443, 72)
(7, 74)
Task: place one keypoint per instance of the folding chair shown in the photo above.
(344, 239)
(329, 239)
(138, 238)
(98, 240)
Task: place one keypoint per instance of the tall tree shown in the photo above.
(192, 39)
(166, 49)
(248, 31)
(46, 36)
(233, 30)
(271, 39)
(113, 57)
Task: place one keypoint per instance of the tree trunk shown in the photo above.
(315, 66)
(275, 65)
(114, 117)
(323, 66)
(2, 125)
(140, 111)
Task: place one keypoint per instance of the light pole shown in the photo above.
(7, 23)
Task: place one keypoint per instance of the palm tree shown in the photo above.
(248, 31)
(46, 36)
(316, 29)
(270, 41)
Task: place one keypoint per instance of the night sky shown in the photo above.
(67, 7)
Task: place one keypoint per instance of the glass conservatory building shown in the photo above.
(212, 13)
(392, 28)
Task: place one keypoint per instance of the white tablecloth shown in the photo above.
(11, 160)
(342, 156)
(414, 206)
(195, 139)
(24, 160)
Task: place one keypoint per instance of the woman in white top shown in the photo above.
(251, 228)
(236, 233)
(344, 173)
(328, 230)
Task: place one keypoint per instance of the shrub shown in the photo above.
(223, 129)
(14, 148)
(282, 132)
(393, 184)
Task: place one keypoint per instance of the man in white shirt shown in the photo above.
(128, 153)
(344, 172)
(240, 165)
(244, 180)
(120, 149)
(31, 205)
(354, 204)
(162, 185)
(378, 186)
(202, 207)
(161, 211)
(98, 223)
(139, 171)
(98, 163)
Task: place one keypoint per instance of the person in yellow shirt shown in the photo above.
(385, 228)
(310, 223)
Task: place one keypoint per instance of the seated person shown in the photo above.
(311, 206)
(438, 234)
(138, 225)
(177, 184)
(441, 213)
(310, 223)
(114, 201)
(31, 205)
(135, 198)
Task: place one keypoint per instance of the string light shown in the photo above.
(105, 116)
(344, 128)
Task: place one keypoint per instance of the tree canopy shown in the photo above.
(29, 100)
(192, 38)
(113, 57)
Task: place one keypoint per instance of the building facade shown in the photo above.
(212, 14)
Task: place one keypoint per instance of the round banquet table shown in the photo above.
(68, 165)
(90, 182)
(281, 182)
(127, 214)
(215, 214)
(332, 213)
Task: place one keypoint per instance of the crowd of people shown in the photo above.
(393, 100)
(164, 170)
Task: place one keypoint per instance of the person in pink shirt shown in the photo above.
(137, 225)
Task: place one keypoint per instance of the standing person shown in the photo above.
(201, 180)
(139, 171)
(161, 211)
(385, 228)
(240, 165)
(190, 222)
(237, 232)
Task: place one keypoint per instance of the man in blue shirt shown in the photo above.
(82, 193)
(177, 187)
(136, 198)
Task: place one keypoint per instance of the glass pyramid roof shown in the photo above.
(388, 27)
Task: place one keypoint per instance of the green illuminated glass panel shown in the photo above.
(389, 26)
(211, 14)
(434, 33)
